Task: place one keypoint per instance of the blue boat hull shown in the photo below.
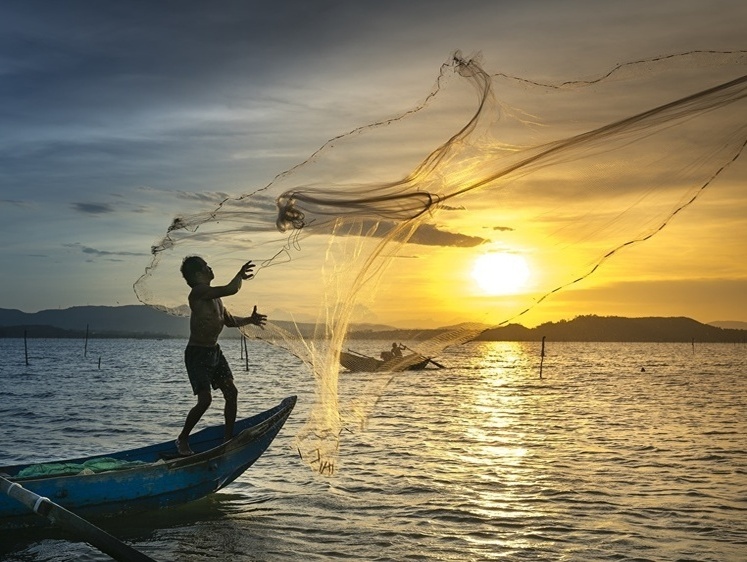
(164, 479)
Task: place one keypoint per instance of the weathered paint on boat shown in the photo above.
(165, 480)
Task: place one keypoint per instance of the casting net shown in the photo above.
(375, 226)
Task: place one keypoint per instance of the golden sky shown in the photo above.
(116, 123)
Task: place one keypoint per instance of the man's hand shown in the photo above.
(246, 272)
(258, 319)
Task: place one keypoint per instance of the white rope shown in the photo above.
(39, 501)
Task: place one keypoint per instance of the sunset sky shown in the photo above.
(116, 117)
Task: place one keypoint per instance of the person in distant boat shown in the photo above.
(393, 353)
(206, 365)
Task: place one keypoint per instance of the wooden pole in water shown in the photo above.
(246, 354)
(85, 346)
(25, 348)
(68, 521)
(542, 355)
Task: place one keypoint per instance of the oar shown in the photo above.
(68, 521)
(361, 354)
(436, 363)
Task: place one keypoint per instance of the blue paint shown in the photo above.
(164, 480)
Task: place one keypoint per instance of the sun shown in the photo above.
(501, 273)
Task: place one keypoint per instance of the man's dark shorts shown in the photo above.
(206, 367)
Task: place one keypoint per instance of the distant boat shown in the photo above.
(147, 478)
(358, 362)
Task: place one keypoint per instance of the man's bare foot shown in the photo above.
(182, 446)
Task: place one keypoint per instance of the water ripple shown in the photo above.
(481, 461)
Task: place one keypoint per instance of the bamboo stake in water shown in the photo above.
(85, 347)
(25, 348)
(542, 355)
(246, 354)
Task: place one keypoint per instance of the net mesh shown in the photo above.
(378, 220)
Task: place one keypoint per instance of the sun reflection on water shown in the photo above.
(482, 460)
(497, 405)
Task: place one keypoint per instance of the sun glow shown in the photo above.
(501, 273)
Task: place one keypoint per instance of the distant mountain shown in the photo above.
(38, 332)
(143, 321)
(586, 328)
(100, 321)
(729, 324)
(120, 321)
(619, 329)
(371, 327)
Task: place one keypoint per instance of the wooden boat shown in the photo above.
(357, 362)
(150, 477)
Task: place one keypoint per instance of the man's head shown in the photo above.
(196, 270)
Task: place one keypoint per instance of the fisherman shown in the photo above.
(394, 353)
(206, 365)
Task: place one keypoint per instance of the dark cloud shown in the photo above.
(15, 203)
(445, 207)
(103, 253)
(93, 208)
(427, 235)
(203, 196)
(100, 59)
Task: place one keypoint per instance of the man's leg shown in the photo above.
(231, 394)
(204, 398)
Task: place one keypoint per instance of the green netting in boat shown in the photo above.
(92, 466)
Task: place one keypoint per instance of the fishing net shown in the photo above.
(381, 224)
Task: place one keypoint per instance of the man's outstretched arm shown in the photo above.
(256, 318)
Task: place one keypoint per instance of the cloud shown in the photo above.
(93, 208)
(426, 235)
(429, 235)
(104, 253)
(15, 203)
(203, 196)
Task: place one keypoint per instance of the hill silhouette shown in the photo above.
(619, 329)
(101, 321)
(135, 321)
(731, 324)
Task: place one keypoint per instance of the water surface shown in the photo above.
(619, 452)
